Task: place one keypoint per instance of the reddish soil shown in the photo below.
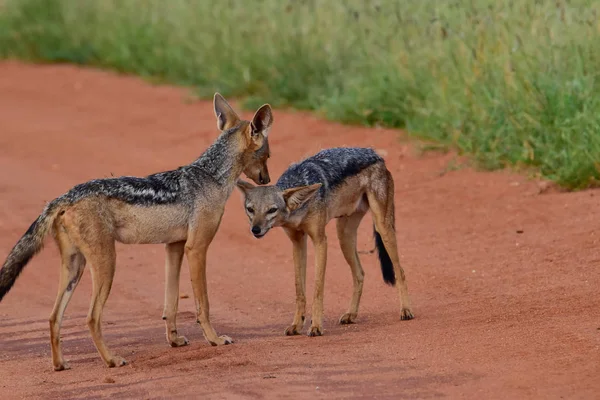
(504, 280)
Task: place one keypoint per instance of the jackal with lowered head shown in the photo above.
(181, 208)
(342, 183)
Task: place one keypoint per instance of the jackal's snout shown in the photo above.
(263, 178)
(257, 231)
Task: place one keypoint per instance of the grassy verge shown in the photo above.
(512, 82)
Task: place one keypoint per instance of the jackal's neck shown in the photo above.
(222, 160)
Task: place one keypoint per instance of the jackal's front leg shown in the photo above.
(174, 257)
(298, 239)
(320, 243)
(196, 249)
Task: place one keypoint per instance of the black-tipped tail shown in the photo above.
(18, 258)
(387, 267)
(27, 247)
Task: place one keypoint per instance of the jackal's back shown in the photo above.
(154, 189)
(162, 188)
(329, 167)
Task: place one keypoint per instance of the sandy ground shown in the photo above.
(504, 280)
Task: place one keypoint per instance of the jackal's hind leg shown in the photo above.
(347, 231)
(71, 269)
(382, 208)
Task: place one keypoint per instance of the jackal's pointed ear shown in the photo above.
(226, 117)
(262, 120)
(298, 196)
(244, 186)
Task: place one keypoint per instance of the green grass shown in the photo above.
(513, 83)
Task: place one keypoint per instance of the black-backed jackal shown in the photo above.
(181, 208)
(342, 183)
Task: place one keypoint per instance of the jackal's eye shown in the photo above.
(250, 210)
(272, 210)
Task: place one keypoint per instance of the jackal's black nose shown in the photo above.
(255, 230)
(263, 180)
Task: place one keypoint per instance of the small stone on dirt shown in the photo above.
(108, 379)
(520, 230)
(269, 377)
(184, 296)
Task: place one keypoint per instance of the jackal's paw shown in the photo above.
(62, 366)
(347, 318)
(292, 330)
(315, 331)
(221, 340)
(116, 361)
(179, 341)
(406, 314)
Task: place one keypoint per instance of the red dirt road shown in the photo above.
(499, 314)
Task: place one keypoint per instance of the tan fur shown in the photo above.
(347, 204)
(87, 231)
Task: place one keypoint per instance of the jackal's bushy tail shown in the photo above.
(27, 247)
(387, 267)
